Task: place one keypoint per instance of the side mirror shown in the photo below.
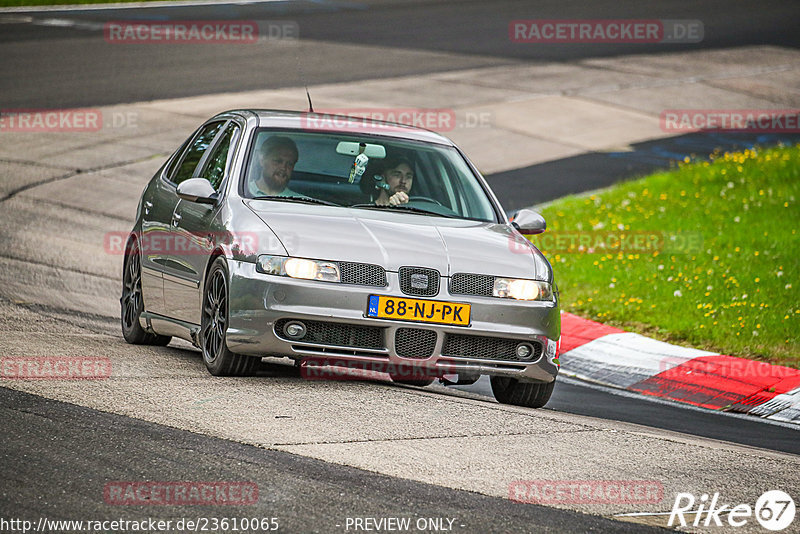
(197, 190)
(529, 222)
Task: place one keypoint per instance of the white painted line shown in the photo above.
(67, 23)
(483, 389)
(623, 359)
(129, 5)
(658, 400)
(15, 19)
(783, 407)
(643, 514)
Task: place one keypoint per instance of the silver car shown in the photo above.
(336, 241)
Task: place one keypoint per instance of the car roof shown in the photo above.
(302, 120)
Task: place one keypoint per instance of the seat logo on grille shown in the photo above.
(419, 281)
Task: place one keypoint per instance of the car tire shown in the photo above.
(528, 394)
(132, 303)
(421, 382)
(219, 360)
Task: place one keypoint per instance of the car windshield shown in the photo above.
(364, 172)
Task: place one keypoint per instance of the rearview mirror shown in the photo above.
(197, 190)
(352, 149)
(529, 222)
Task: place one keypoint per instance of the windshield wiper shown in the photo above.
(402, 208)
(303, 200)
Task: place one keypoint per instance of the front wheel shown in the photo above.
(132, 303)
(218, 359)
(528, 394)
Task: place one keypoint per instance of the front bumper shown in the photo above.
(258, 302)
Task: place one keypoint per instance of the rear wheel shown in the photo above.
(132, 303)
(529, 394)
(218, 359)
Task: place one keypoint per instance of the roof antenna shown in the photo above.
(302, 77)
(310, 106)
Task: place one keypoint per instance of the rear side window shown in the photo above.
(195, 152)
(218, 160)
(176, 159)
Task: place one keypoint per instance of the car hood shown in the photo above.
(394, 240)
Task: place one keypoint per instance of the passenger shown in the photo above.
(277, 157)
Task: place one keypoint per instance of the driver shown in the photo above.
(277, 157)
(398, 173)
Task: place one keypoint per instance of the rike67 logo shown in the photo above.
(774, 510)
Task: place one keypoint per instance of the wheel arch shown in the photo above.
(126, 252)
(216, 253)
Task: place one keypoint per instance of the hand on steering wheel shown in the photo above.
(401, 197)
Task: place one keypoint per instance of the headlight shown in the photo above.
(512, 288)
(326, 271)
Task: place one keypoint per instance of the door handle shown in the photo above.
(147, 207)
(176, 219)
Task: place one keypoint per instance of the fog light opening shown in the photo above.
(525, 351)
(295, 330)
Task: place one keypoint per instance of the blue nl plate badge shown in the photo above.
(373, 306)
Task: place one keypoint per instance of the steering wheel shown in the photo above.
(425, 199)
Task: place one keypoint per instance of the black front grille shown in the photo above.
(363, 274)
(413, 276)
(472, 284)
(342, 335)
(486, 348)
(414, 343)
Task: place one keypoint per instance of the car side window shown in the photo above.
(217, 163)
(195, 152)
(176, 159)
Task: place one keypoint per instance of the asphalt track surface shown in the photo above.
(44, 442)
(576, 397)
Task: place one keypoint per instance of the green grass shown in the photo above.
(734, 289)
(15, 3)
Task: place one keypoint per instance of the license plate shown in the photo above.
(424, 311)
